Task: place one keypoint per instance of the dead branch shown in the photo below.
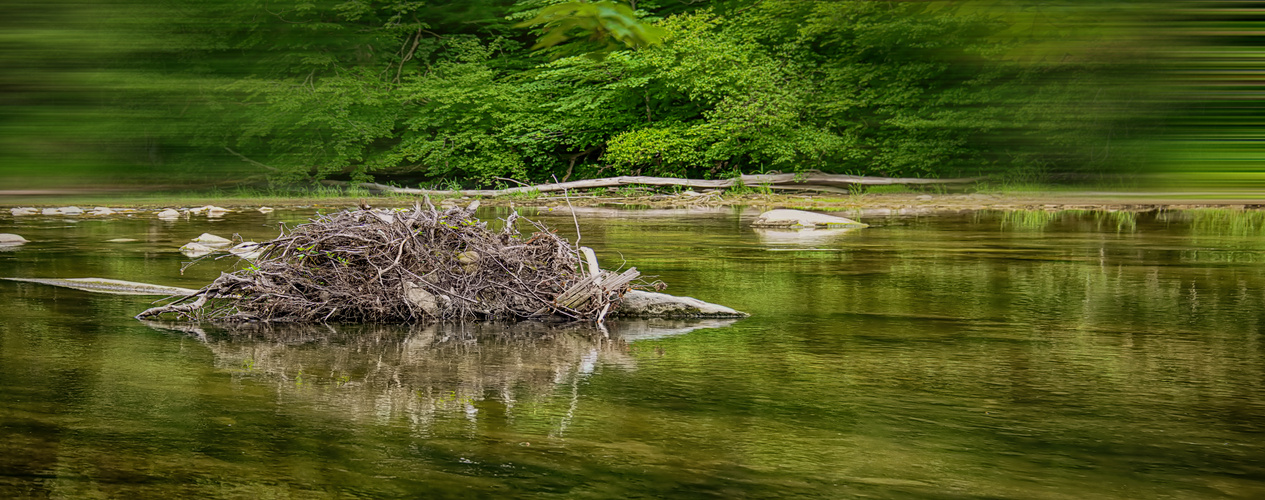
(775, 181)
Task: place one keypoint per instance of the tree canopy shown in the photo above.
(476, 91)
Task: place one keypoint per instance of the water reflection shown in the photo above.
(801, 237)
(420, 372)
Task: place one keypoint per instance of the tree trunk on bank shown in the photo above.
(807, 181)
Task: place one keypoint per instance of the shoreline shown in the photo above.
(895, 203)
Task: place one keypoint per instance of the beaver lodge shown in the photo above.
(377, 266)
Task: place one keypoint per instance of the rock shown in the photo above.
(247, 250)
(196, 249)
(102, 211)
(468, 257)
(422, 299)
(11, 239)
(51, 211)
(168, 214)
(637, 303)
(122, 240)
(925, 197)
(214, 211)
(70, 210)
(265, 210)
(802, 219)
(212, 240)
(211, 211)
(18, 212)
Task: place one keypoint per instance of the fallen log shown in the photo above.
(803, 181)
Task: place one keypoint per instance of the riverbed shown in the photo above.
(973, 354)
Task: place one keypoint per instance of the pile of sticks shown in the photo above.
(386, 266)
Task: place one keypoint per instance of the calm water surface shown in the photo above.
(959, 356)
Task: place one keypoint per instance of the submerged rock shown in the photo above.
(11, 239)
(196, 250)
(212, 240)
(801, 219)
(639, 304)
(211, 211)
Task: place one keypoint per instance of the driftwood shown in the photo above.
(801, 182)
(376, 266)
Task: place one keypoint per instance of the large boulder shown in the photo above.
(639, 304)
(797, 219)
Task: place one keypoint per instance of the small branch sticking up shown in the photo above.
(573, 218)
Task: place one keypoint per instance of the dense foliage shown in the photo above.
(469, 92)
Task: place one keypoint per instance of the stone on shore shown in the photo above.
(20, 211)
(799, 219)
(51, 211)
(70, 210)
(639, 304)
(11, 239)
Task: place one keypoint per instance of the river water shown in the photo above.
(981, 355)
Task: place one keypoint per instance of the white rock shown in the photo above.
(212, 240)
(18, 212)
(11, 239)
(214, 211)
(102, 211)
(265, 210)
(247, 250)
(122, 240)
(637, 303)
(51, 211)
(196, 249)
(168, 214)
(802, 219)
(71, 210)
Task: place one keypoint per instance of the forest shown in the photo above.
(485, 92)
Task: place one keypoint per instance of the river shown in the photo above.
(969, 355)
